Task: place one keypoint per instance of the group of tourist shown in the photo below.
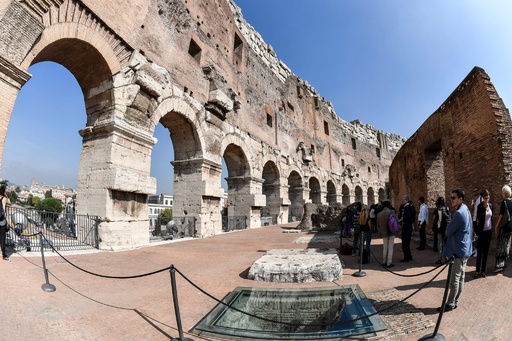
(457, 233)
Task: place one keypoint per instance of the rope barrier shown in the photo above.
(305, 325)
(405, 275)
(229, 306)
(105, 276)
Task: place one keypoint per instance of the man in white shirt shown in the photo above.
(422, 223)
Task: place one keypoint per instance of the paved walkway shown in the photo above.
(86, 307)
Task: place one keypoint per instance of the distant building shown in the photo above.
(58, 192)
(156, 204)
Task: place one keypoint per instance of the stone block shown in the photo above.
(297, 266)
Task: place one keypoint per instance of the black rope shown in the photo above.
(306, 325)
(104, 276)
(107, 304)
(405, 275)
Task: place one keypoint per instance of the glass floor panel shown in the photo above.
(292, 314)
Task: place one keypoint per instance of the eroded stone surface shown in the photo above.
(297, 266)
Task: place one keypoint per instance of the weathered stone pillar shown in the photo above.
(114, 182)
(296, 200)
(197, 193)
(245, 199)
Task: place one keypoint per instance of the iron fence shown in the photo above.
(232, 223)
(174, 228)
(64, 231)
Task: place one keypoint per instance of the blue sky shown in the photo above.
(388, 63)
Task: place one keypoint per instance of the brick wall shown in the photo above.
(466, 143)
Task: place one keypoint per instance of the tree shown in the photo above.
(18, 189)
(166, 213)
(13, 196)
(50, 205)
(36, 201)
(48, 194)
(4, 182)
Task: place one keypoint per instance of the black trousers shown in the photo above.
(423, 235)
(3, 236)
(482, 247)
(406, 241)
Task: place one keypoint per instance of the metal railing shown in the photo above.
(64, 231)
(231, 223)
(174, 227)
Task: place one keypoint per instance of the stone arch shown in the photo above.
(179, 118)
(315, 191)
(370, 196)
(108, 186)
(358, 194)
(296, 196)
(382, 194)
(331, 193)
(241, 187)
(271, 191)
(345, 195)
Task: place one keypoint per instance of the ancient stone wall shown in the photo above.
(466, 143)
(199, 69)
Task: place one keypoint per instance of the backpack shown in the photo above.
(393, 225)
(2, 213)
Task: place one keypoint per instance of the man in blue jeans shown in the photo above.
(459, 237)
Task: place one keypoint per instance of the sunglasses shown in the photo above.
(453, 198)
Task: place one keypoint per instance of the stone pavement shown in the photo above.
(86, 307)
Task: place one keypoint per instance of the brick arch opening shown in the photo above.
(315, 191)
(345, 195)
(331, 193)
(359, 194)
(382, 194)
(184, 136)
(187, 162)
(296, 197)
(82, 59)
(371, 196)
(435, 173)
(238, 181)
(271, 191)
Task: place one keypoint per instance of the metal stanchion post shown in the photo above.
(46, 286)
(361, 244)
(176, 306)
(435, 336)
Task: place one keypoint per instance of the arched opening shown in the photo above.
(42, 141)
(359, 194)
(371, 196)
(238, 183)
(271, 191)
(331, 193)
(296, 197)
(314, 191)
(345, 193)
(176, 163)
(382, 194)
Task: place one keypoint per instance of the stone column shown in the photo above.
(197, 193)
(114, 183)
(245, 199)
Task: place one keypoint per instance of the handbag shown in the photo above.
(505, 219)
